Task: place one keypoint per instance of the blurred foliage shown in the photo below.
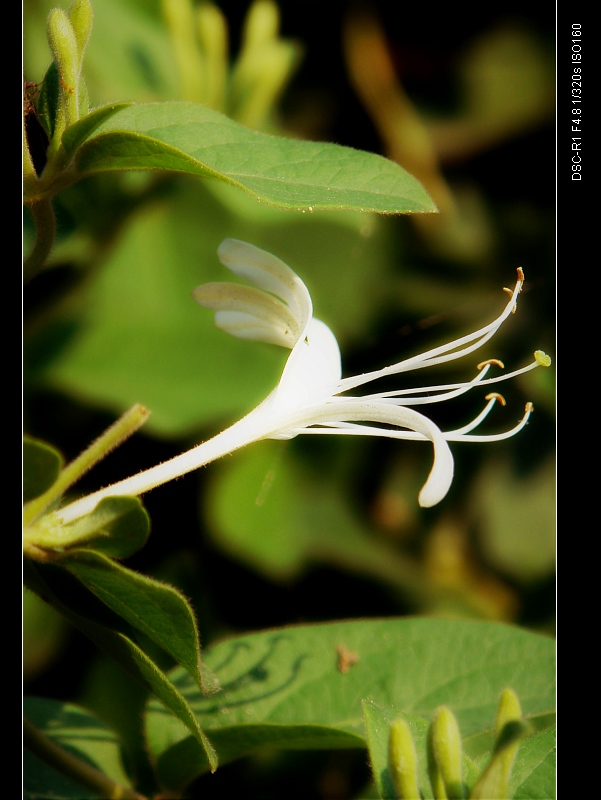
(311, 530)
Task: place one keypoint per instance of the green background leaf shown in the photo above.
(131, 332)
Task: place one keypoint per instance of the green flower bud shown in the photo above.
(509, 730)
(261, 24)
(402, 761)
(445, 755)
(213, 37)
(63, 44)
(180, 19)
(81, 16)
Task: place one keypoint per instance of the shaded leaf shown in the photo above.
(129, 655)
(41, 467)
(77, 732)
(194, 139)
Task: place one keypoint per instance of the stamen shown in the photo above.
(496, 396)
(529, 408)
(491, 361)
(520, 283)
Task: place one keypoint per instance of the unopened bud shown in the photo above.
(509, 730)
(445, 755)
(402, 760)
(81, 16)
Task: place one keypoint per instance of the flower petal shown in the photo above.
(249, 313)
(268, 273)
(312, 371)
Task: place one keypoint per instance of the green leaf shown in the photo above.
(41, 467)
(118, 527)
(79, 733)
(289, 687)
(129, 655)
(47, 103)
(160, 611)
(76, 134)
(193, 139)
(534, 772)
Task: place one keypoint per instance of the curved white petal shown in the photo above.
(312, 371)
(249, 313)
(269, 273)
(336, 411)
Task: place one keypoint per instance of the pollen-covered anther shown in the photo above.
(490, 361)
(529, 407)
(496, 396)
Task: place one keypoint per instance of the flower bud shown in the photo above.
(213, 37)
(444, 756)
(81, 17)
(402, 760)
(63, 43)
(509, 730)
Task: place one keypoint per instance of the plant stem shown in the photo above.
(45, 232)
(129, 423)
(76, 769)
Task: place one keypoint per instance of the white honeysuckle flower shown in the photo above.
(312, 396)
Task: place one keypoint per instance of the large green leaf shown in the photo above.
(194, 139)
(80, 734)
(303, 686)
(160, 611)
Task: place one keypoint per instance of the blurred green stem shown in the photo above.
(45, 232)
(120, 430)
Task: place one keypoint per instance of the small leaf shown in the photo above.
(302, 175)
(118, 527)
(41, 467)
(47, 104)
(157, 609)
(76, 134)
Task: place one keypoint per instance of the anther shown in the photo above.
(529, 407)
(490, 361)
(496, 396)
